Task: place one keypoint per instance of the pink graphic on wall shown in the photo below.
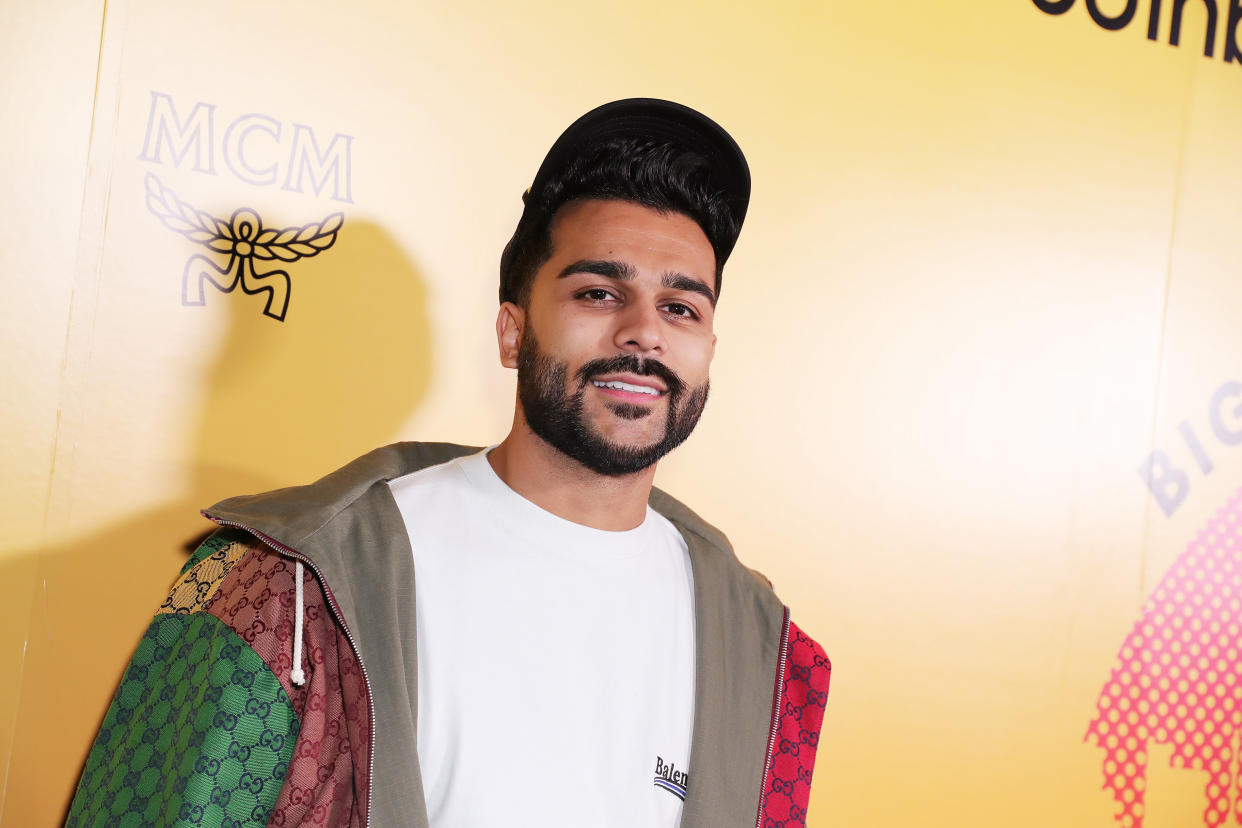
(1178, 678)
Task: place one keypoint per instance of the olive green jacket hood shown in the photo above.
(348, 529)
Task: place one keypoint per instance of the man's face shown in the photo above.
(617, 374)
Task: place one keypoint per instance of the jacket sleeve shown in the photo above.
(206, 728)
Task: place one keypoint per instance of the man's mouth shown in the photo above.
(627, 387)
(627, 379)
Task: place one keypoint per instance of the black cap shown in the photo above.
(657, 120)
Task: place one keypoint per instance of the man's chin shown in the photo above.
(628, 427)
(612, 460)
(619, 452)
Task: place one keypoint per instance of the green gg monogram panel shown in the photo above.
(199, 733)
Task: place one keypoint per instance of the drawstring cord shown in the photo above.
(296, 675)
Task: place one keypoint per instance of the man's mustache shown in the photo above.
(631, 364)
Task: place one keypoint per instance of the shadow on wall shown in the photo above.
(284, 403)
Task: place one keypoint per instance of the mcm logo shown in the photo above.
(246, 242)
(1176, 679)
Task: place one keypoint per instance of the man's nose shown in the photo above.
(640, 329)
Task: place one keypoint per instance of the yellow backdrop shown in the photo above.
(988, 291)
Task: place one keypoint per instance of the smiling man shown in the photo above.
(527, 635)
(617, 299)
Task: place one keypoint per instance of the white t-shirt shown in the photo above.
(555, 661)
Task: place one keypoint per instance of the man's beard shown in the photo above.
(556, 416)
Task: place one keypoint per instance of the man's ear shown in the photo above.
(510, 322)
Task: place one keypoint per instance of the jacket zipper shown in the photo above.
(777, 697)
(340, 619)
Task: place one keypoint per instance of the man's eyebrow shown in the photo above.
(625, 272)
(680, 281)
(600, 267)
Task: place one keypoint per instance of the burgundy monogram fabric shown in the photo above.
(326, 782)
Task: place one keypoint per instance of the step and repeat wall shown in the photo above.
(977, 397)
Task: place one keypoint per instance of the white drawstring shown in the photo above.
(296, 675)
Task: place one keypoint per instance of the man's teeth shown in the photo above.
(625, 386)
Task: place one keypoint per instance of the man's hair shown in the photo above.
(659, 175)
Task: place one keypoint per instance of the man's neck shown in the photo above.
(566, 488)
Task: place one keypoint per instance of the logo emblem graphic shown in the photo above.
(1178, 678)
(244, 239)
(670, 779)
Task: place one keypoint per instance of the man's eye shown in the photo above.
(678, 309)
(596, 295)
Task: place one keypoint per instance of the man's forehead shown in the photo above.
(615, 221)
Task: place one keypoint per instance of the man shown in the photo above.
(528, 635)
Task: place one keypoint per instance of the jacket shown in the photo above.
(210, 725)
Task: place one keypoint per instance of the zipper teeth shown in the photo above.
(336, 612)
(776, 709)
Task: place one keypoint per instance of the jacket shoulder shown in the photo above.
(193, 683)
(688, 521)
(296, 512)
(209, 707)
